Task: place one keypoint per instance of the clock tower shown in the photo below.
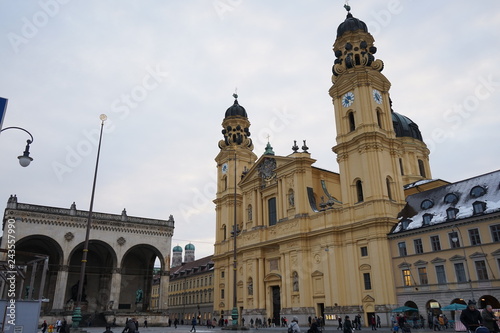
(376, 156)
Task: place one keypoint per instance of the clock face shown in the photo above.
(377, 96)
(224, 168)
(348, 99)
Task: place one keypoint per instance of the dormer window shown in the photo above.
(405, 223)
(451, 198)
(477, 191)
(451, 213)
(426, 204)
(427, 219)
(479, 207)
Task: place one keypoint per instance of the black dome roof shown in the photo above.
(405, 127)
(236, 110)
(351, 24)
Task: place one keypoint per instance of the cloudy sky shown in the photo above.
(164, 73)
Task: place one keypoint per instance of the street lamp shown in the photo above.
(77, 313)
(25, 158)
(455, 239)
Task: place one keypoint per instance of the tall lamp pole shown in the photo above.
(25, 158)
(77, 314)
(456, 239)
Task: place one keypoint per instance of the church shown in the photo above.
(296, 240)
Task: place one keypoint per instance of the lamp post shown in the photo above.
(455, 239)
(77, 313)
(25, 158)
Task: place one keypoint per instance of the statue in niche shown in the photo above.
(295, 281)
(138, 295)
(250, 288)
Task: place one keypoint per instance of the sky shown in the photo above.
(164, 73)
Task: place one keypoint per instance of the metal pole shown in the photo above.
(77, 313)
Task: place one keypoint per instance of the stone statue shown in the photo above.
(138, 296)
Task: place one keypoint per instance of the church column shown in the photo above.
(261, 285)
(61, 283)
(116, 283)
(163, 292)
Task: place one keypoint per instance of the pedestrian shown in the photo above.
(145, 322)
(294, 326)
(58, 325)
(489, 319)
(193, 323)
(378, 322)
(64, 327)
(340, 323)
(176, 322)
(130, 326)
(44, 326)
(314, 326)
(471, 317)
(347, 325)
(373, 322)
(108, 329)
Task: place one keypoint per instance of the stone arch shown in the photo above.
(488, 300)
(101, 261)
(40, 244)
(136, 268)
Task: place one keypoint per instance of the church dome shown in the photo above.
(351, 24)
(189, 247)
(236, 110)
(177, 249)
(405, 127)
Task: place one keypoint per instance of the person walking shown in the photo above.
(314, 326)
(471, 317)
(340, 323)
(347, 325)
(130, 326)
(176, 322)
(193, 323)
(489, 319)
(294, 326)
(44, 326)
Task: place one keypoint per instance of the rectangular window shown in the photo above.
(222, 274)
(406, 277)
(454, 240)
(482, 272)
(460, 272)
(422, 275)
(368, 281)
(222, 293)
(419, 248)
(436, 245)
(474, 237)
(402, 249)
(271, 204)
(495, 232)
(364, 251)
(440, 274)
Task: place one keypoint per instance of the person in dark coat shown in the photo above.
(471, 317)
(489, 319)
(131, 326)
(44, 326)
(314, 326)
(193, 323)
(347, 325)
(340, 323)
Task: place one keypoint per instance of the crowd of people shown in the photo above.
(60, 326)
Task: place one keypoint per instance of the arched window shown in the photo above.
(379, 119)
(388, 184)
(359, 191)
(224, 230)
(225, 182)
(421, 168)
(352, 124)
(401, 167)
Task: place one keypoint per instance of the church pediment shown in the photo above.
(365, 267)
(316, 273)
(404, 265)
(368, 299)
(272, 277)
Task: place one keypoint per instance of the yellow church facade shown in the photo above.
(312, 242)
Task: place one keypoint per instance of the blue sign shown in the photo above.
(3, 109)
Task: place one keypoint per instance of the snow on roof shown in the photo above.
(419, 182)
(434, 207)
